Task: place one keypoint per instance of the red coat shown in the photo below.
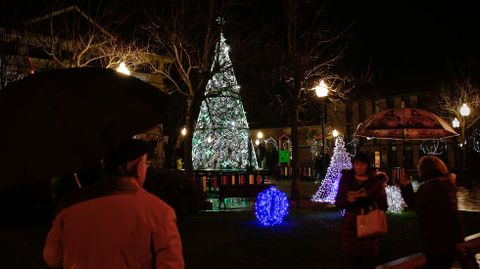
(376, 197)
(115, 225)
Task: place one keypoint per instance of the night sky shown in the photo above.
(411, 45)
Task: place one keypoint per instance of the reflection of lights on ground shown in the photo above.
(233, 204)
(469, 200)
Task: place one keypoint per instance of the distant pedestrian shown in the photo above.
(361, 188)
(436, 206)
(115, 223)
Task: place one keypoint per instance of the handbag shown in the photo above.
(373, 223)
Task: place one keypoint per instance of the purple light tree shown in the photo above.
(329, 187)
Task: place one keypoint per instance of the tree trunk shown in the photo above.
(295, 191)
(193, 108)
(189, 124)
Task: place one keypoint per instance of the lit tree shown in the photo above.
(396, 204)
(222, 138)
(340, 160)
(186, 32)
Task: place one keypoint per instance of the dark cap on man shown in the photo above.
(126, 152)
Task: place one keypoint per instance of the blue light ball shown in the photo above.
(271, 207)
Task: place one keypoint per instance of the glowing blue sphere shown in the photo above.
(271, 207)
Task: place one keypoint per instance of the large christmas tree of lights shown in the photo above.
(222, 138)
(340, 160)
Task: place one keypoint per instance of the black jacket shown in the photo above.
(436, 206)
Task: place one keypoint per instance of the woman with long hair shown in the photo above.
(361, 189)
(436, 206)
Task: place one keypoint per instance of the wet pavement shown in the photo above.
(469, 199)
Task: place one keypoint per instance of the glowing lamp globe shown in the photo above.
(184, 131)
(271, 207)
(122, 68)
(260, 135)
(322, 89)
(335, 133)
(464, 110)
(455, 123)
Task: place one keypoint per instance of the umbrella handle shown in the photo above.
(77, 181)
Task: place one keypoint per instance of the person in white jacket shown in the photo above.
(116, 223)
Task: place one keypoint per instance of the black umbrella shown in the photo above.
(62, 121)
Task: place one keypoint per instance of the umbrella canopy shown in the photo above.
(405, 124)
(63, 121)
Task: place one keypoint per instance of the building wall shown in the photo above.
(346, 117)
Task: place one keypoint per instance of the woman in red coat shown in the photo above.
(360, 188)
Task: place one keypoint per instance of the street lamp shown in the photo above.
(322, 90)
(464, 111)
(335, 133)
(184, 131)
(260, 135)
(122, 68)
(455, 123)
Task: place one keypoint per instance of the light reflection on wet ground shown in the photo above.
(469, 199)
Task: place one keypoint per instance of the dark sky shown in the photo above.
(412, 45)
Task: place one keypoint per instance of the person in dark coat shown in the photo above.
(435, 203)
(360, 188)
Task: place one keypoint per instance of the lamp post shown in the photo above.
(464, 112)
(183, 133)
(335, 133)
(122, 68)
(321, 90)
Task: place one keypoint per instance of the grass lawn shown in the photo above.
(309, 238)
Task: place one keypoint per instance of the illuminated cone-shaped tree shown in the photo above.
(340, 160)
(222, 139)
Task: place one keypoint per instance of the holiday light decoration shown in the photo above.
(271, 141)
(475, 140)
(354, 143)
(223, 120)
(396, 204)
(271, 207)
(433, 147)
(340, 160)
(314, 148)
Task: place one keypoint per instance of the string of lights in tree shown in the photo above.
(271, 207)
(433, 147)
(314, 148)
(271, 141)
(396, 204)
(340, 160)
(475, 140)
(354, 143)
(221, 139)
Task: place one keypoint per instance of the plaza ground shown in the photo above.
(309, 238)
